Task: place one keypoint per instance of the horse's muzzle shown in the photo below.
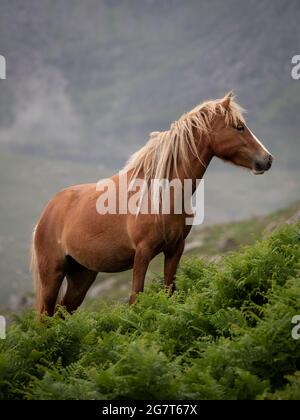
(262, 165)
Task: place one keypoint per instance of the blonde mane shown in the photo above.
(166, 149)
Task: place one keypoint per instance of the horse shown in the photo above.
(72, 240)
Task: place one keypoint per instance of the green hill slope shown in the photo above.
(226, 334)
(205, 241)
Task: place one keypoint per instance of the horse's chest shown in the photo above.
(171, 234)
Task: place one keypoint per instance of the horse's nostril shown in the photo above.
(270, 161)
(263, 163)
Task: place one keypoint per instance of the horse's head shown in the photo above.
(232, 140)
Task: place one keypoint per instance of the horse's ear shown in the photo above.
(227, 99)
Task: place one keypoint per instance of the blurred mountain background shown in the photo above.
(87, 82)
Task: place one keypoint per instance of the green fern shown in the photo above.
(225, 334)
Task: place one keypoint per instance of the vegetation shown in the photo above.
(225, 334)
(207, 241)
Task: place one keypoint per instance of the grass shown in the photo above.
(206, 240)
(225, 334)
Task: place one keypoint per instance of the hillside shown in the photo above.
(210, 242)
(225, 334)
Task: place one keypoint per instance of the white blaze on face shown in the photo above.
(260, 143)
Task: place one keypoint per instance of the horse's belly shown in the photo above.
(106, 267)
(112, 263)
(107, 258)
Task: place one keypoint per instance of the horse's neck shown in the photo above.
(198, 165)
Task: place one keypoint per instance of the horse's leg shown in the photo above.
(50, 284)
(48, 269)
(171, 263)
(78, 283)
(141, 261)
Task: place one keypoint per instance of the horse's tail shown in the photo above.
(35, 273)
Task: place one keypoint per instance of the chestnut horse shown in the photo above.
(73, 240)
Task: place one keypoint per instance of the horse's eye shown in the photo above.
(240, 127)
